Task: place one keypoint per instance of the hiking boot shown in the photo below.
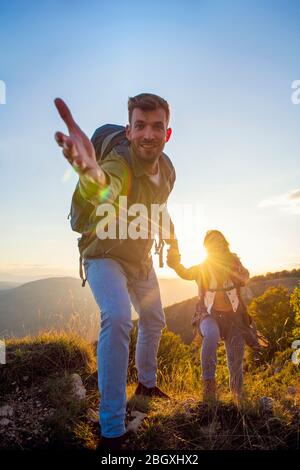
(209, 390)
(113, 443)
(150, 392)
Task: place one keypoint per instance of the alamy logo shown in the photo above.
(2, 92)
(141, 225)
(295, 97)
(2, 352)
(137, 221)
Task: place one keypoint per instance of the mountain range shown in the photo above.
(62, 303)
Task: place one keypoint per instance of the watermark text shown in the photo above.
(2, 92)
(295, 96)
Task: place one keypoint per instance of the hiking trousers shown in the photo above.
(115, 294)
(234, 344)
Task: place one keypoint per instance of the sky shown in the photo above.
(227, 70)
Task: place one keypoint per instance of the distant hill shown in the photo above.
(8, 285)
(260, 286)
(45, 304)
(62, 302)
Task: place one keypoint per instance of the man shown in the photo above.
(119, 270)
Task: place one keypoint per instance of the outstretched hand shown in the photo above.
(77, 147)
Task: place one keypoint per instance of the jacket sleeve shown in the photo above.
(240, 274)
(116, 172)
(189, 274)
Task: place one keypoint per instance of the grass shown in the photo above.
(46, 354)
(184, 422)
(47, 362)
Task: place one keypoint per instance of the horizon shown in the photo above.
(19, 280)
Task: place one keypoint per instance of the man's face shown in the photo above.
(148, 133)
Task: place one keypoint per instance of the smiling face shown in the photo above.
(148, 134)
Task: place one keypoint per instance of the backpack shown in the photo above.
(105, 139)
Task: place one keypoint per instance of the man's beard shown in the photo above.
(149, 159)
(147, 156)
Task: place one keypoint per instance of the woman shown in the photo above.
(220, 312)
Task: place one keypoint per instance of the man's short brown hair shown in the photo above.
(147, 102)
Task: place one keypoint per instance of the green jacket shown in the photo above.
(133, 182)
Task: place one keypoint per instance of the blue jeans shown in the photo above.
(234, 345)
(114, 294)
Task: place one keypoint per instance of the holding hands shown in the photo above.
(173, 257)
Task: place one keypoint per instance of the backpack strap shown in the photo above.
(105, 150)
(82, 273)
(159, 247)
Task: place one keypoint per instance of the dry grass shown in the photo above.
(184, 422)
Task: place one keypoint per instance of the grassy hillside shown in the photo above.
(37, 385)
(49, 397)
(54, 303)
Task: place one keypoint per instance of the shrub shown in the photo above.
(275, 318)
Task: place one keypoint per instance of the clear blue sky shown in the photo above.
(226, 69)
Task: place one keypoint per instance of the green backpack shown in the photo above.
(104, 139)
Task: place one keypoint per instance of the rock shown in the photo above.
(79, 391)
(291, 390)
(277, 370)
(4, 422)
(266, 405)
(6, 410)
(137, 421)
(92, 415)
(25, 378)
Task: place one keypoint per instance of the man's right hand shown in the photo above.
(77, 147)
